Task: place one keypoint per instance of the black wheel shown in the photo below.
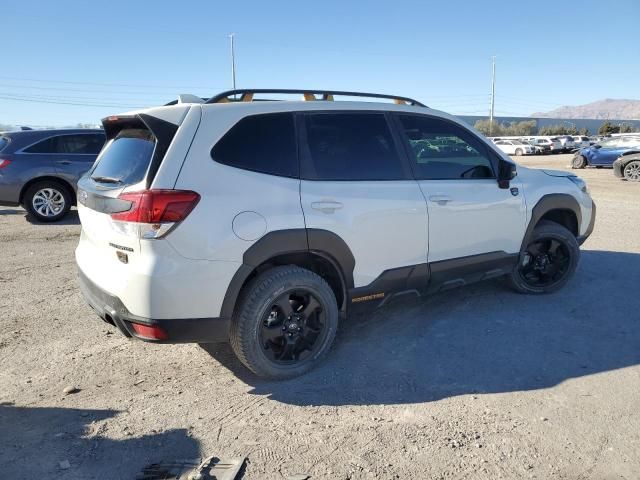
(578, 162)
(285, 322)
(47, 201)
(632, 171)
(548, 261)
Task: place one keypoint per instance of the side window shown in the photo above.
(45, 146)
(85, 144)
(443, 150)
(350, 146)
(262, 143)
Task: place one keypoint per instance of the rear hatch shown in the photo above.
(117, 206)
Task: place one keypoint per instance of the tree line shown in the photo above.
(528, 127)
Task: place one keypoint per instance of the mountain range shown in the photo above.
(609, 108)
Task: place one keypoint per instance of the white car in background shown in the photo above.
(514, 147)
(553, 144)
(566, 142)
(581, 141)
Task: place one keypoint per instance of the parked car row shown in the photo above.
(620, 153)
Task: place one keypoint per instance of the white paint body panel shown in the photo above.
(383, 223)
(478, 218)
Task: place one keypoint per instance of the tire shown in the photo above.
(47, 201)
(265, 338)
(631, 171)
(518, 152)
(563, 255)
(578, 162)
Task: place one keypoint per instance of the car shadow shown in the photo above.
(70, 218)
(34, 442)
(480, 339)
(12, 211)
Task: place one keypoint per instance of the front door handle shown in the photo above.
(440, 199)
(64, 162)
(326, 206)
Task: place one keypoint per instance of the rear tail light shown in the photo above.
(4, 163)
(153, 213)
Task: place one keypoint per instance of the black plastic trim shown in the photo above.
(412, 277)
(276, 243)
(552, 201)
(592, 223)
(164, 132)
(180, 330)
(319, 242)
(461, 271)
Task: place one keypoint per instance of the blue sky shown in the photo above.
(110, 56)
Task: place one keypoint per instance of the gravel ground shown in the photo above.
(474, 383)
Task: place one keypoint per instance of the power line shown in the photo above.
(68, 82)
(61, 102)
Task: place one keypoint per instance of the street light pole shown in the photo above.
(233, 63)
(493, 93)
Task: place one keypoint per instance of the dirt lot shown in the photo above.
(475, 383)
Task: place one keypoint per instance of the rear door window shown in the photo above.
(261, 143)
(126, 158)
(350, 146)
(45, 146)
(85, 144)
(80, 144)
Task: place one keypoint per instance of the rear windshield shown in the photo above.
(3, 142)
(126, 159)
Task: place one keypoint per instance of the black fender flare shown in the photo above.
(549, 202)
(319, 242)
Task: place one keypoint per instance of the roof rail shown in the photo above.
(246, 95)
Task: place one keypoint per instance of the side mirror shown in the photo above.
(506, 172)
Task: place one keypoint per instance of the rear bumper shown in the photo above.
(583, 238)
(180, 330)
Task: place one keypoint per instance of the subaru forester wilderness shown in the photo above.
(264, 223)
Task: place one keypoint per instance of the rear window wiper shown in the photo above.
(106, 179)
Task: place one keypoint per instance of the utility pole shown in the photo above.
(493, 93)
(233, 63)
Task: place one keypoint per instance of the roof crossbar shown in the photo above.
(246, 95)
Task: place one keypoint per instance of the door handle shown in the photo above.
(326, 206)
(440, 199)
(64, 162)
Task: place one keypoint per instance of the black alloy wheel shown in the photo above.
(290, 331)
(545, 263)
(548, 261)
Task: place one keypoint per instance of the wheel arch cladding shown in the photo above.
(320, 251)
(560, 208)
(48, 178)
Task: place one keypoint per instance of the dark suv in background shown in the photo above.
(39, 169)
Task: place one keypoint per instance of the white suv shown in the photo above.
(264, 223)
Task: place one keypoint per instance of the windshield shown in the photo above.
(4, 141)
(126, 158)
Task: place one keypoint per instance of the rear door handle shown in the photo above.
(440, 199)
(326, 206)
(64, 162)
